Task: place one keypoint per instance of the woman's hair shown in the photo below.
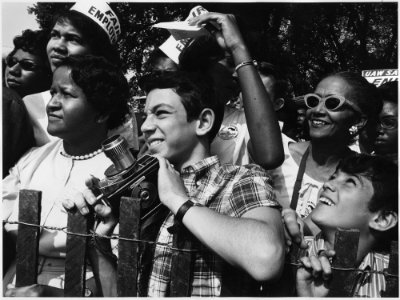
(103, 84)
(281, 86)
(195, 90)
(92, 33)
(33, 42)
(363, 94)
(200, 53)
(390, 92)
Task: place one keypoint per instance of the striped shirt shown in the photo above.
(369, 285)
(228, 189)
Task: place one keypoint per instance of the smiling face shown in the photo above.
(386, 140)
(65, 40)
(343, 202)
(26, 73)
(70, 115)
(331, 125)
(166, 129)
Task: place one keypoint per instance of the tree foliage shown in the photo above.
(306, 40)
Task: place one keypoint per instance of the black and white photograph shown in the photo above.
(200, 149)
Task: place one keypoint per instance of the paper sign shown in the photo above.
(173, 47)
(182, 30)
(380, 76)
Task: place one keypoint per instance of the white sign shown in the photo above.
(173, 47)
(182, 30)
(380, 76)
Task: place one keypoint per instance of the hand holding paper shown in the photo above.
(229, 37)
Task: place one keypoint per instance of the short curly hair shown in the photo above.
(34, 42)
(104, 85)
(196, 91)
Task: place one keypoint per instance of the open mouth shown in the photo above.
(326, 201)
(154, 143)
(318, 123)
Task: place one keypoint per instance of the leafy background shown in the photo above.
(306, 40)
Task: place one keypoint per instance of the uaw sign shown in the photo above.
(380, 76)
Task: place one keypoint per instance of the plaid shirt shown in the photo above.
(229, 190)
(369, 285)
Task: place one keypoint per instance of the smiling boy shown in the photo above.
(231, 210)
(361, 194)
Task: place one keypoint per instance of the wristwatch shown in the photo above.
(184, 208)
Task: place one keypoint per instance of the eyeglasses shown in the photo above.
(388, 122)
(24, 64)
(332, 103)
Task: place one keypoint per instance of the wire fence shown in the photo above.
(93, 234)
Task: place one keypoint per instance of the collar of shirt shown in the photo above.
(201, 166)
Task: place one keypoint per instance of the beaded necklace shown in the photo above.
(82, 157)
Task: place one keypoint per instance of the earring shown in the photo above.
(353, 130)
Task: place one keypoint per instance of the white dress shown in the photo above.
(58, 177)
(284, 179)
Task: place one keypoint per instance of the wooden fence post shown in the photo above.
(129, 227)
(28, 237)
(181, 265)
(346, 246)
(76, 254)
(392, 283)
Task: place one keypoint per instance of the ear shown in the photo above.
(278, 103)
(205, 122)
(102, 118)
(383, 221)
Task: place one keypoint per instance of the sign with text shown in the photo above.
(173, 47)
(380, 76)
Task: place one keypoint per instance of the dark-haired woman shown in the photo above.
(80, 115)
(337, 110)
(78, 32)
(27, 68)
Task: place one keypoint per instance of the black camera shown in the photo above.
(129, 177)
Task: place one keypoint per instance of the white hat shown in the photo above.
(103, 15)
(173, 47)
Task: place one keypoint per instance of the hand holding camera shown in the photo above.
(125, 177)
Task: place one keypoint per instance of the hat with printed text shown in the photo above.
(101, 13)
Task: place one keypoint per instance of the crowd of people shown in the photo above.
(248, 169)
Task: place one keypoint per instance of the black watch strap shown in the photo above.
(183, 209)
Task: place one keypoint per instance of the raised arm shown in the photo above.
(262, 122)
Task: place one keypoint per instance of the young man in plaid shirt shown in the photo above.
(230, 211)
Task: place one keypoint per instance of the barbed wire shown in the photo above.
(385, 273)
(93, 234)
